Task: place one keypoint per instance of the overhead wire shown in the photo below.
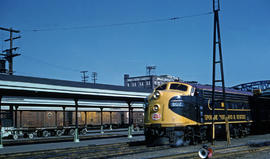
(50, 64)
(120, 24)
(104, 26)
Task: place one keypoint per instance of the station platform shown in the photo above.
(68, 144)
(91, 135)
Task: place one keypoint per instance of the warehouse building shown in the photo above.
(148, 82)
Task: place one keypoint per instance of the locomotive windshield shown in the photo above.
(162, 87)
(179, 87)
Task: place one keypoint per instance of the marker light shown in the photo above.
(156, 95)
(156, 108)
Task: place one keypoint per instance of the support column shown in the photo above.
(16, 117)
(101, 121)
(10, 115)
(21, 118)
(110, 120)
(122, 119)
(76, 136)
(129, 121)
(64, 116)
(85, 119)
(1, 142)
(55, 118)
(132, 122)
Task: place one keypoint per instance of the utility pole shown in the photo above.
(84, 76)
(94, 77)
(217, 42)
(149, 69)
(9, 54)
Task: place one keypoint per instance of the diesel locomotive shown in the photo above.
(181, 113)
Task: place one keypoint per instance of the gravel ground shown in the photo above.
(258, 155)
(218, 144)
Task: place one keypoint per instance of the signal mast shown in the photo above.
(217, 42)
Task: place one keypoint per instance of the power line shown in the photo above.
(121, 24)
(50, 64)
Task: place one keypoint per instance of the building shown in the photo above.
(148, 82)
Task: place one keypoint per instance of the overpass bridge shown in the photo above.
(262, 85)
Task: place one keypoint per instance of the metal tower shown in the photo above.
(217, 43)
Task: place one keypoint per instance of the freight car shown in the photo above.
(182, 113)
(54, 123)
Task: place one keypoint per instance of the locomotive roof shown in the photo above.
(219, 89)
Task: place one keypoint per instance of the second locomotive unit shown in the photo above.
(181, 113)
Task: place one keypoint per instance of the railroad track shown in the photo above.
(137, 149)
(225, 152)
(90, 152)
(61, 139)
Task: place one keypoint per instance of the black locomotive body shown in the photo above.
(182, 113)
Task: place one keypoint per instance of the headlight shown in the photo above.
(176, 102)
(156, 95)
(155, 108)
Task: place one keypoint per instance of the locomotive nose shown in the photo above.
(155, 107)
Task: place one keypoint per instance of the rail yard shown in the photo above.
(118, 136)
(43, 115)
(255, 146)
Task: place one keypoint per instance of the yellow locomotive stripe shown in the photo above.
(197, 123)
(230, 122)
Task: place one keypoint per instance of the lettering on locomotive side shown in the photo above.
(222, 117)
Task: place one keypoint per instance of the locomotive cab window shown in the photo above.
(162, 87)
(179, 87)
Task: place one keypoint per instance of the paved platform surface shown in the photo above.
(70, 144)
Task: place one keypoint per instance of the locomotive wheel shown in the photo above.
(45, 133)
(203, 136)
(179, 139)
(242, 132)
(84, 131)
(15, 137)
(30, 135)
(71, 132)
(59, 132)
(189, 137)
(187, 141)
(235, 132)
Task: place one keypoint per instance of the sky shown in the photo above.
(61, 38)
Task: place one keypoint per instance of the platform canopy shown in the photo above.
(11, 85)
